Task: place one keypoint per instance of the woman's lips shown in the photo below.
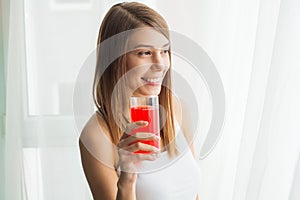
(152, 81)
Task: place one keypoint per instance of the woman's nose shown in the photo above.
(158, 62)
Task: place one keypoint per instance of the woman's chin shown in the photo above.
(148, 91)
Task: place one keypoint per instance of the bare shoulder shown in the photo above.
(95, 138)
(98, 158)
(94, 126)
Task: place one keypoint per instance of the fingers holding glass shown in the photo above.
(131, 146)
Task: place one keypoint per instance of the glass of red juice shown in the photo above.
(146, 108)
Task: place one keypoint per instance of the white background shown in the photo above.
(254, 45)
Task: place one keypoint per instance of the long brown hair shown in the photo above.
(119, 19)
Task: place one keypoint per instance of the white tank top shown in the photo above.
(170, 179)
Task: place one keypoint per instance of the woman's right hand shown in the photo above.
(129, 161)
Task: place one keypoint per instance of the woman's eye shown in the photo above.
(165, 51)
(144, 53)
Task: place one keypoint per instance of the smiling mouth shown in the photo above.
(152, 81)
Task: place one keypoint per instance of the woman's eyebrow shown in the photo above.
(149, 46)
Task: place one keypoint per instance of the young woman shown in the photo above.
(133, 59)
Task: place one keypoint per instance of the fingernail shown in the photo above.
(156, 150)
(142, 123)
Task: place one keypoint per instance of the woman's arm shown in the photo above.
(100, 157)
(103, 180)
(126, 188)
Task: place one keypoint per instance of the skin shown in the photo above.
(148, 58)
(145, 60)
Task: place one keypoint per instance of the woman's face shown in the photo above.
(147, 61)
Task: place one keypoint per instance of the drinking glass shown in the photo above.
(146, 108)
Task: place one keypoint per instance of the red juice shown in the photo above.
(151, 115)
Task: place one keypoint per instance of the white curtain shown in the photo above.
(270, 144)
(3, 47)
(254, 45)
(41, 156)
(13, 133)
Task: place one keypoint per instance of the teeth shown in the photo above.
(152, 80)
